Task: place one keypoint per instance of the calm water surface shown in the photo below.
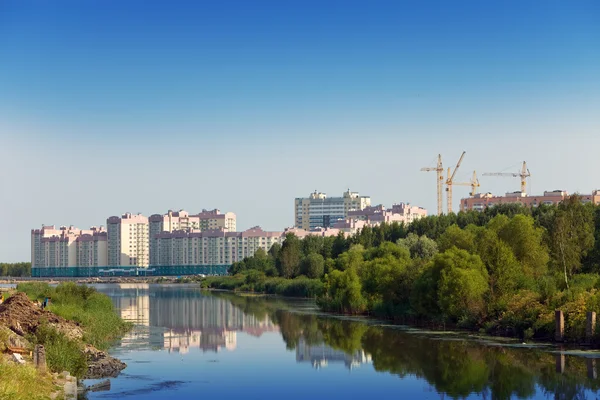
(189, 344)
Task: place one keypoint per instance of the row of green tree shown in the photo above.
(504, 270)
(15, 269)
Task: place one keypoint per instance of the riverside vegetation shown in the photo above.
(74, 328)
(502, 271)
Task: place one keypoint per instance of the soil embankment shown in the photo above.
(20, 318)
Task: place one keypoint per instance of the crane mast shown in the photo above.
(439, 169)
(450, 181)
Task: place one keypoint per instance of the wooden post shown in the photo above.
(560, 363)
(559, 318)
(590, 327)
(39, 357)
(591, 368)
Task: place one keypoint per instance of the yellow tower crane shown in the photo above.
(474, 184)
(440, 181)
(450, 181)
(524, 174)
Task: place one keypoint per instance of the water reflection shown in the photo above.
(451, 365)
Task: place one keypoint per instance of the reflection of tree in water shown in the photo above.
(454, 367)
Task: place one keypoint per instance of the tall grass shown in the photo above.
(62, 353)
(23, 382)
(94, 311)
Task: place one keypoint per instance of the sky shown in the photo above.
(109, 107)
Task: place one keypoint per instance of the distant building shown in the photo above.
(128, 240)
(211, 247)
(182, 221)
(483, 200)
(403, 212)
(320, 211)
(67, 247)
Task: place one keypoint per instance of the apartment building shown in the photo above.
(483, 200)
(211, 247)
(128, 237)
(182, 221)
(68, 247)
(401, 213)
(320, 211)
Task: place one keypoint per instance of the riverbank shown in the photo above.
(74, 327)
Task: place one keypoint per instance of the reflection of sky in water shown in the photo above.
(188, 345)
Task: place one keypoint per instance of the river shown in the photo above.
(190, 344)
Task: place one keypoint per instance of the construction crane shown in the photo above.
(440, 181)
(450, 181)
(524, 174)
(474, 184)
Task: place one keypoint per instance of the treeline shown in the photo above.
(15, 269)
(504, 270)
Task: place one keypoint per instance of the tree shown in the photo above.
(572, 235)
(419, 246)
(312, 244)
(456, 237)
(527, 244)
(343, 293)
(313, 265)
(463, 283)
(290, 256)
(503, 268)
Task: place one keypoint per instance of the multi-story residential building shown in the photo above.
(128, 240)
(68, 247)
(182, 221)
(483, 200)
(402, 212)
(214, 219)
(211, 247)
(320, 211)
(92, 250)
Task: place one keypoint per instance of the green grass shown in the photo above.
(95, 313)
(297, 287)
(23, 382)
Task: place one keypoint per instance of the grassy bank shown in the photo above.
(92, 310)
(256, 282)
(24, 382)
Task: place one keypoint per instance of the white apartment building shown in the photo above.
(68, 247)
(320, 211)
(128, 237)
(182, 221)
(211, 247)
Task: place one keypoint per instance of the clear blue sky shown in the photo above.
(115, 106)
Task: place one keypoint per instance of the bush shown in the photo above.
(62, 354)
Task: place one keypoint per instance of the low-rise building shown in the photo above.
(481, 201)
(401, 213)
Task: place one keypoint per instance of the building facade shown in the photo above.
(68, 247)
(181, 220)
(401, 213)
(128, 237)
(211, 247)
(481, 201)
(320, 211)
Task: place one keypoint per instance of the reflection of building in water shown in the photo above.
(207, 340)
(191, 319)
(321, 355)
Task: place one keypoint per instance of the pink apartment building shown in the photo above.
(401, 213)
(483, 200)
